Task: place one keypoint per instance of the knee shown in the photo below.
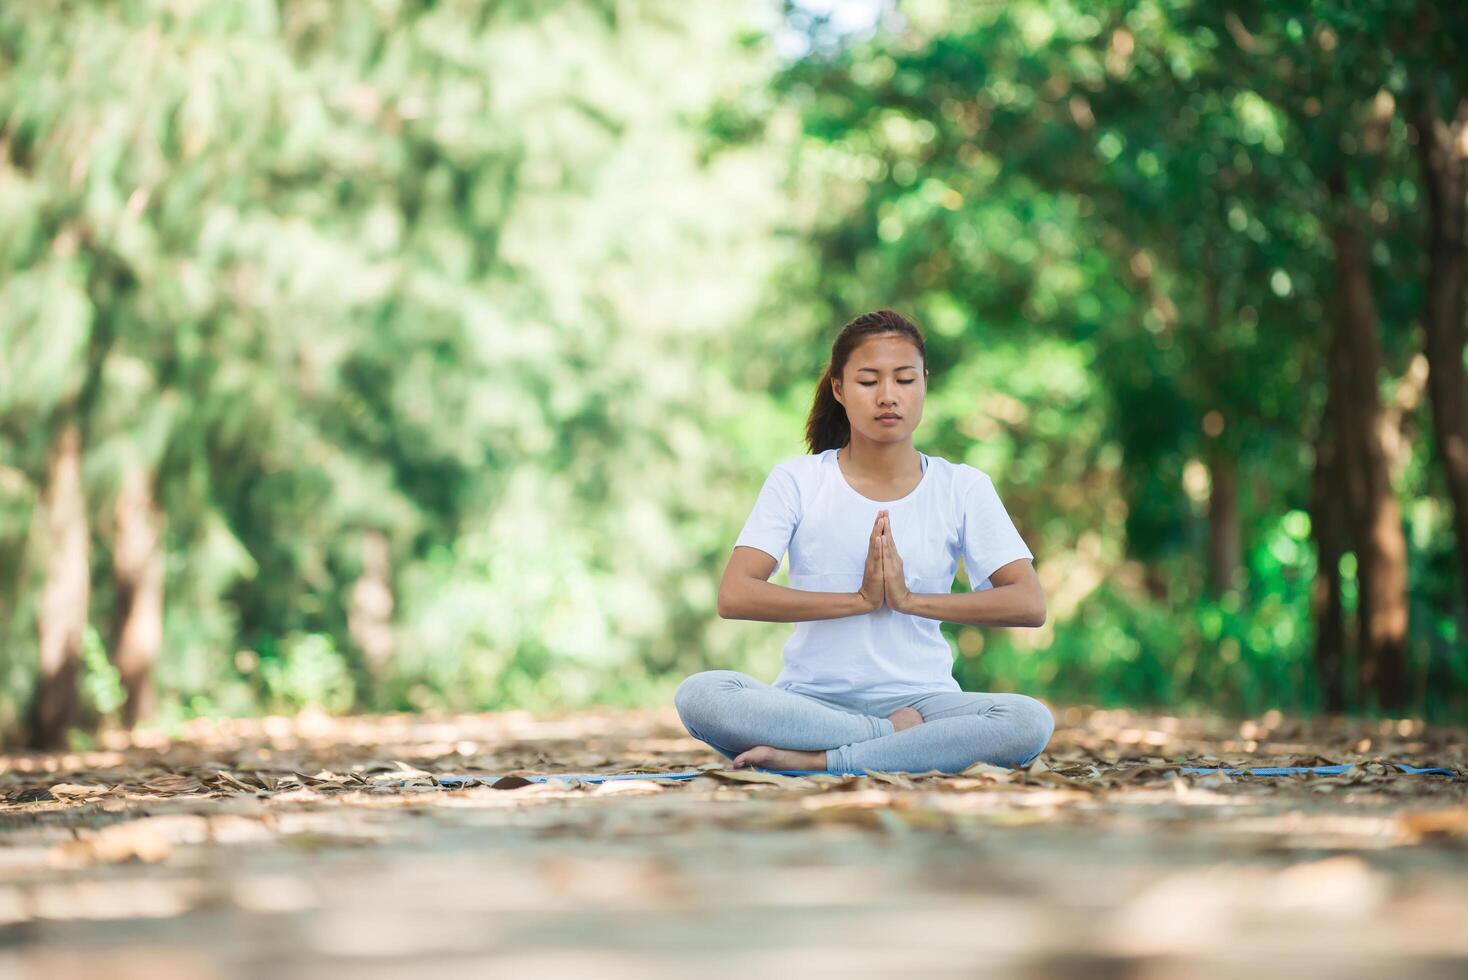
(697, 690)
(1037, 724)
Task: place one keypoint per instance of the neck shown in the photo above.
(881, 460)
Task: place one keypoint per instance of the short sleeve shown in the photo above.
(990, 540)
(776, 512)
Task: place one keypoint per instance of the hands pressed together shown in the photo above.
(883, 581)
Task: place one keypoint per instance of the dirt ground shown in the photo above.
(310, 846)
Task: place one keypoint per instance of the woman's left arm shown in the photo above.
(1016, 599)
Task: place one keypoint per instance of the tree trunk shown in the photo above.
(1380, 544)
(1328, 517)
(369, 613)
(1223, 522)
(1444, 152)
(62, 619)
(137, 569)
(1224, 548)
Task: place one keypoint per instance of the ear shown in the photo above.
(836, 390)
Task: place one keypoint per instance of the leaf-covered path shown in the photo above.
(300, 846)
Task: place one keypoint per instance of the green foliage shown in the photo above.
(307, 672)
(1137, 192)
(101, 684)
(537, 295)
(448, 275)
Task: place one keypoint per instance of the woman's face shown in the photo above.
(883, 378)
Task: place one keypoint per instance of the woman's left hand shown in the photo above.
(893, 580)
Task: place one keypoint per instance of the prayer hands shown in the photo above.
(873, 589)
(893, 579)
(883, 580)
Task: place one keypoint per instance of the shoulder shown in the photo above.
(796, 477)
(961, 478)
(799, 469)
(968, 491)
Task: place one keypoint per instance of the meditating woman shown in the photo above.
(874, 529)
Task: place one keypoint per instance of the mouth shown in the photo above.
(889, 417)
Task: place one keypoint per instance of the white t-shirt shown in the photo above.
(807, 507)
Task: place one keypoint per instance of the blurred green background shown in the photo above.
(429, 355)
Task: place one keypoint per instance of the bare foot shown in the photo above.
(769, 757)
(904, 718)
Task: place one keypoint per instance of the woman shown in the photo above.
(874, 529)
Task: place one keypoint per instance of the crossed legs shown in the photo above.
(734, 713)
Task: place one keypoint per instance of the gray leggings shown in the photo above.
(731, 712)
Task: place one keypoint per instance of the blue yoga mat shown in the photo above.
(593, 777)
(596, 777)
(1323, 770)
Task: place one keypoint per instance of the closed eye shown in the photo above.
(868, 384)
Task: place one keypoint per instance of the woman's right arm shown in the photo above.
(745, 592)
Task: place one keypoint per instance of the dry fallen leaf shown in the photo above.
(828, 780)
(511, 782)
(63, 791)
(1450, 822)
(231, 781)
(753, 776)
(148, 839)
(172, 784)
(862, 798)
(627, 787)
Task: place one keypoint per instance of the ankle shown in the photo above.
(904, 718)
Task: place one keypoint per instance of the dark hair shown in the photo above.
(827, 427)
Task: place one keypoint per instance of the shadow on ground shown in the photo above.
(300, 846)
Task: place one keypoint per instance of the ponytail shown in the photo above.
(827, 427)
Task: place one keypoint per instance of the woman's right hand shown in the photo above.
(873, 591)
